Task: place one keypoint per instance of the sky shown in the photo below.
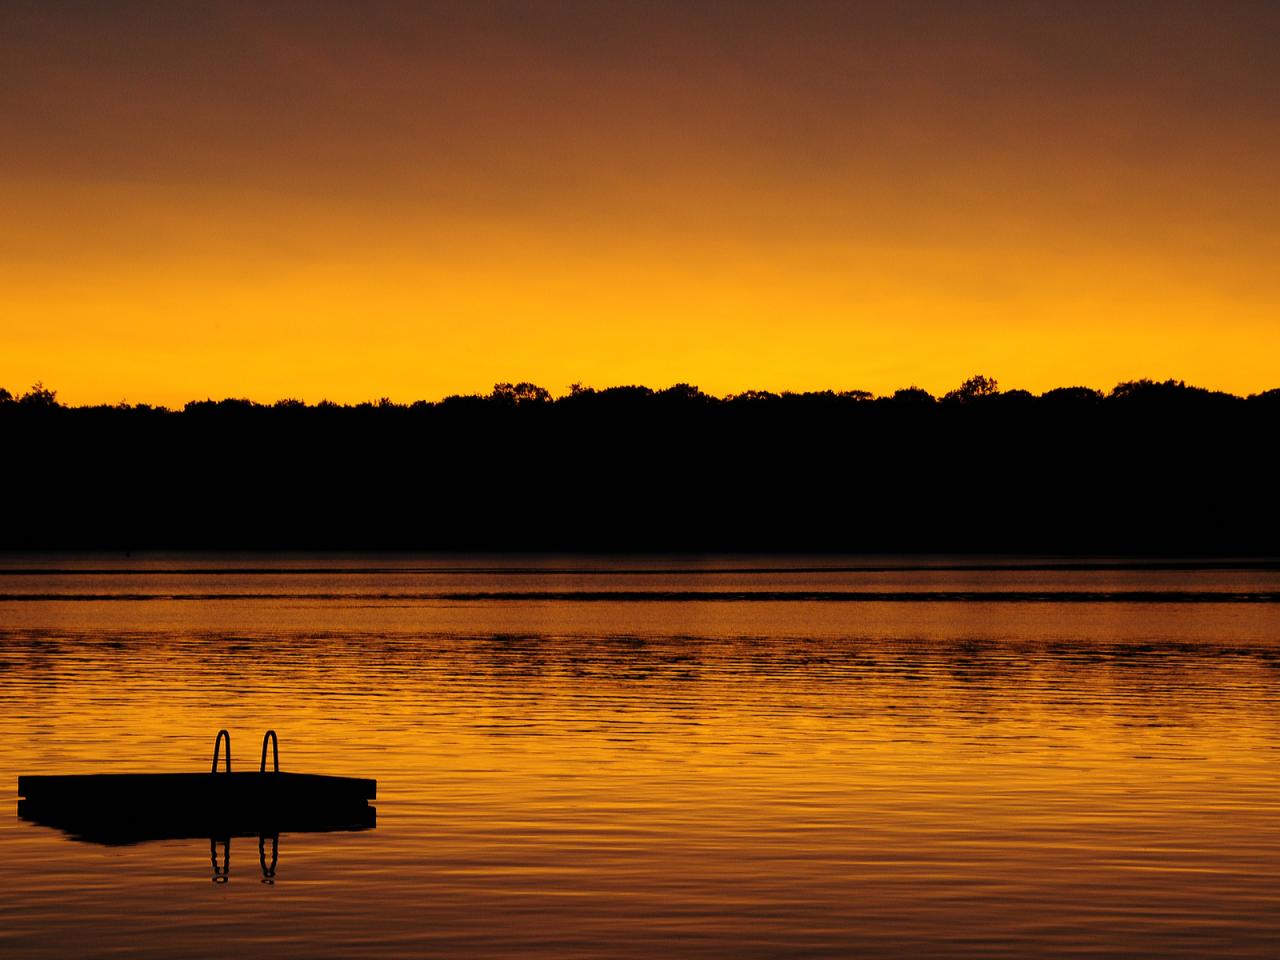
(351, 200)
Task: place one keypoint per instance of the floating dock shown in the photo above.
(132, 807)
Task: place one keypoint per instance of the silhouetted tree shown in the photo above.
(228, 407)
(1072, 395)
(514, 394)
(912, 396)
(974, 388)
(1148, 393)
(39, 397)
(683, 391)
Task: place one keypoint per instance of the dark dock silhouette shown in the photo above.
(128, 808)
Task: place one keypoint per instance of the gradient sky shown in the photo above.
(358, 199)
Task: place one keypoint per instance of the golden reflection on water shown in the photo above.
(699, 779)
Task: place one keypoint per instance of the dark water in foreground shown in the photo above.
(824, 760)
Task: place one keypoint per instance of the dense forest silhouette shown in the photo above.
(1148, 468)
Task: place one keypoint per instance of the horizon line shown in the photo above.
(976, 387)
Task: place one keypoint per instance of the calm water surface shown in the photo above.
(585, 758)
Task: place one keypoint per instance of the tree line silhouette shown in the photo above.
(1147, 468)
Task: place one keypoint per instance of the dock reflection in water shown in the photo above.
(741, 778)
(148, 825)
(222, 871)
(112, 834)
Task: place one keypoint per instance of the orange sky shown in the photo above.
(355, 200)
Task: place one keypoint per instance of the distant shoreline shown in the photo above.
(517, 394)
(1155, 470)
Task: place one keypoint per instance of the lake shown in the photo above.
(738, 757)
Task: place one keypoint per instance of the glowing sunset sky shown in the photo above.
(362, 199)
